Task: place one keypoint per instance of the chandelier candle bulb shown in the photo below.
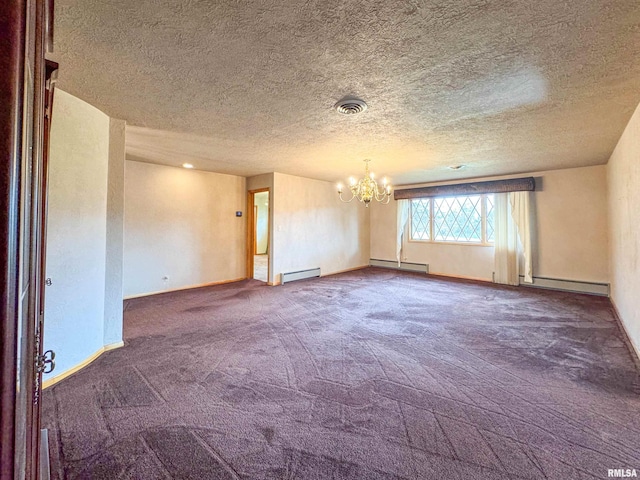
(367, 189)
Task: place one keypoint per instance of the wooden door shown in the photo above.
(23, 85)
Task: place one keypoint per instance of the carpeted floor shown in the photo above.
(371, 375)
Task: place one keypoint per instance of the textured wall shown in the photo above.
(115, 234)
(181, 224)
(624, 227)
(313, 228)
(76, 248)
(570, 232)
(571, 223)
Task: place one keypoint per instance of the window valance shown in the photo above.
(526, 184)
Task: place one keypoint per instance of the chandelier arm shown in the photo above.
(382, 190)
(346, 201)
(382, 195)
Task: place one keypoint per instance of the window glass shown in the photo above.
(420, 219)
(464, 219)
(457, 219)
(490, 220)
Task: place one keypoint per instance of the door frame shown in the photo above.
(251, 231)
(20, 258)
(255, 228)
(11, 85)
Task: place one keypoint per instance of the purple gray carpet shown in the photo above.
(371, 375)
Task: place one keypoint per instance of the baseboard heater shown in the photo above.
(591, 288)
(300, 275)
(408, 266)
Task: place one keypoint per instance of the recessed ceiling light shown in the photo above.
(187, 165)
(456, 167)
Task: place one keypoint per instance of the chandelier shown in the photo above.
(367, 188)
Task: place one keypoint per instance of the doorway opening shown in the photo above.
(258, 250)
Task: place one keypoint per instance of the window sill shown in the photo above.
(472, 244)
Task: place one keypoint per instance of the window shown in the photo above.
(461, 219)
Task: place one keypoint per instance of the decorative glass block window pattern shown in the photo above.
(461, 219)
(421, 219)
(457, 219)
(490, 220)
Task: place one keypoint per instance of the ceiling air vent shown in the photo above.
(350, 106)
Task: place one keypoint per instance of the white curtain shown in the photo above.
(403, 218)
(506, 242)
(521, 214)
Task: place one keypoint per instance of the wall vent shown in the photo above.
(350, 106)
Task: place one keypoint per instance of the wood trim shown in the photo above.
(255, 228)
(53, 380)
(12, 25)
(251, 231)
(346, 270)
(460, 277)
(525, 184)
(626, 338)
(189, 287)
(43, 71)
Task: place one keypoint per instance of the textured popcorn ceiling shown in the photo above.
(247, 87)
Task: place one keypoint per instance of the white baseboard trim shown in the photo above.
(53, 380)
(576, 286)
(393, 264)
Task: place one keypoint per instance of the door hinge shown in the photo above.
(45, 363)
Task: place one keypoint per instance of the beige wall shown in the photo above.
(181, 224)
(115, 234)
(76, 232)
(313, 228)
(624, 227)
(570, 240)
